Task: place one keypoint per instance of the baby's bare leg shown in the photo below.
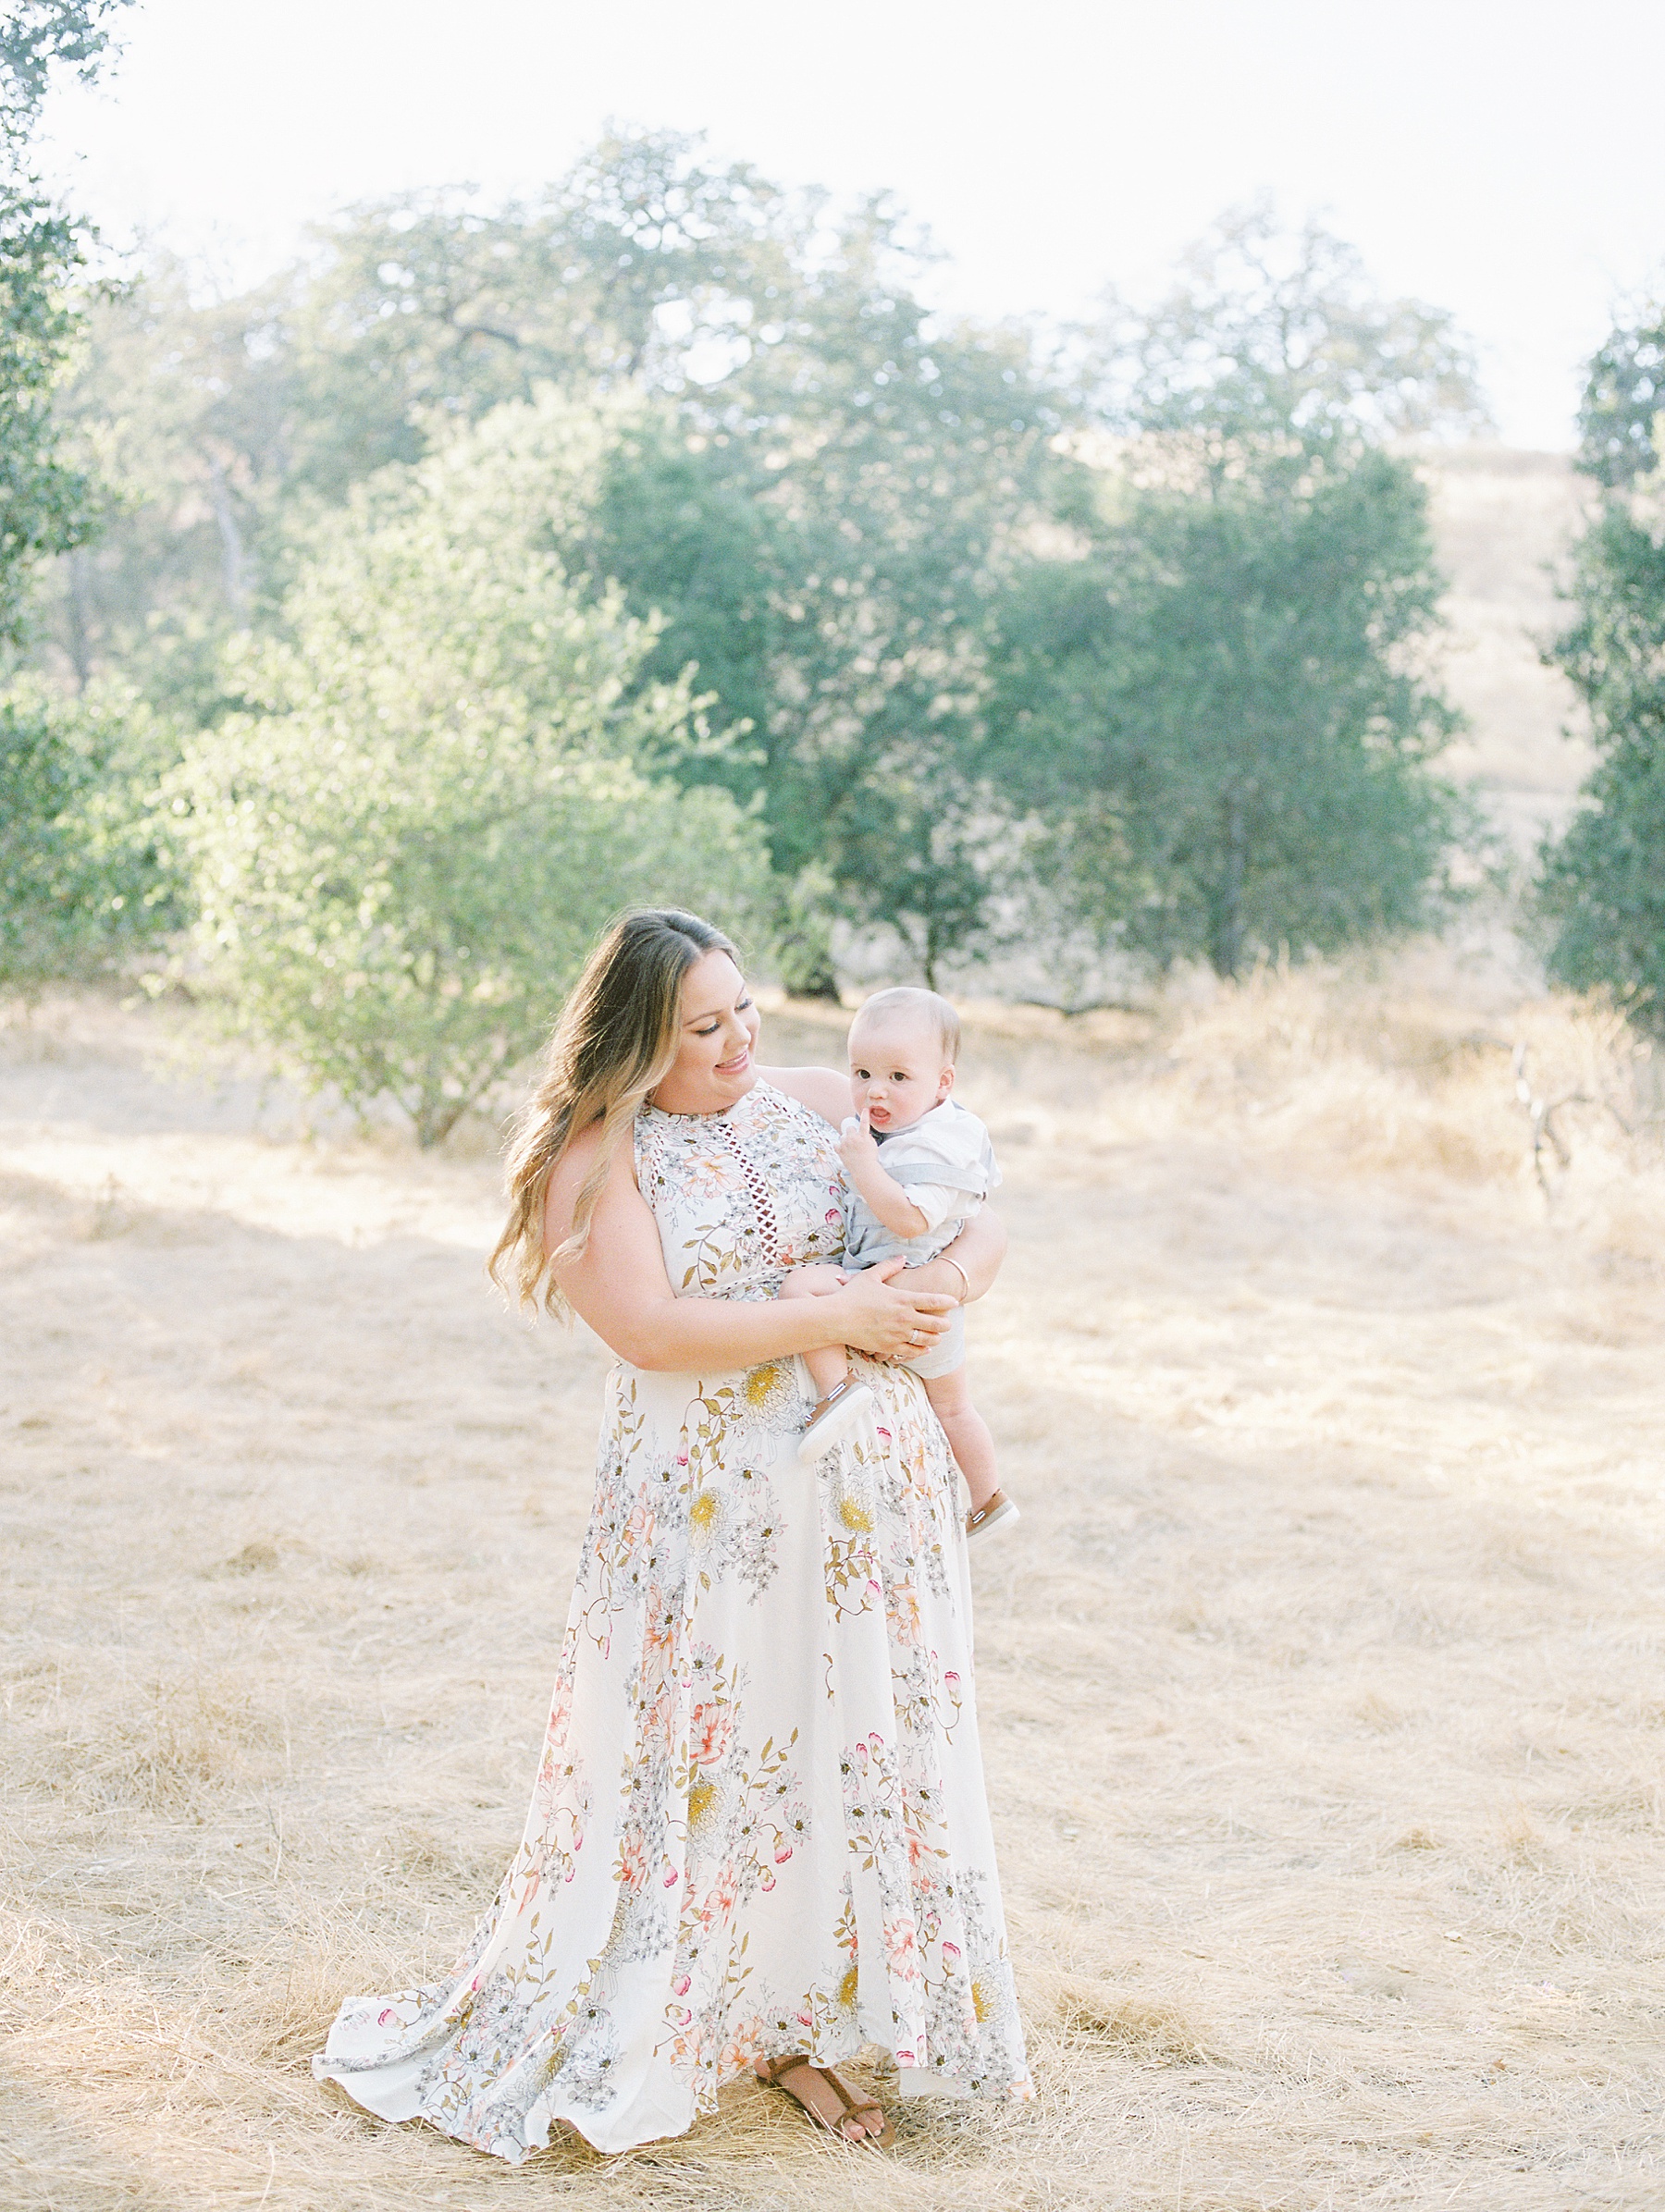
(967, 1431)
(830, 1366)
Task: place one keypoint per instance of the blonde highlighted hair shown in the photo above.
(614, 1044)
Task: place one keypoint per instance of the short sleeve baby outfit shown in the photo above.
(946, 1163)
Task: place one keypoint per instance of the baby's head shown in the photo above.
(903, 1044)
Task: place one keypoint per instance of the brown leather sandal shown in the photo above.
(770, 2071)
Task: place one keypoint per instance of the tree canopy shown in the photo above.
(47, 504)
(1212, 705)
(1602, 886)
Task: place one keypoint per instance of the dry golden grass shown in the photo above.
(1321, 1684)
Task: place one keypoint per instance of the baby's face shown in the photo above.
(897, 1072)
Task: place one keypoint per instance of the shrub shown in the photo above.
(400, 862)
(81, 885)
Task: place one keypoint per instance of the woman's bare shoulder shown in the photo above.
(822, 1090)
(567, 1177)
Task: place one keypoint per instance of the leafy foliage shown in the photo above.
(1625, 397)
(82, 886)
(853, 580)
(1209, 708)
(46, 505)
(1207, 714)
(817, 490)
(844, 503)
(400, 860)
(1276, 336)
(38, 35)
(1602, 887)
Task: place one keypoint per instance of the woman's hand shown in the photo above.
(891, 1319)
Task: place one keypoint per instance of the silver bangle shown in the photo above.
(960, 1272)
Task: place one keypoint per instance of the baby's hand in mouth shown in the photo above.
(857, 1147)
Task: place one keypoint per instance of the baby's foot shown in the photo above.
(990, 1516)
(839, 1415)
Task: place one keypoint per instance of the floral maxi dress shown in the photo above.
(759, 1824)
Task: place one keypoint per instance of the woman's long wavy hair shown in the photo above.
(614, 1043)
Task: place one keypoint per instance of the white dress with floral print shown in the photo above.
(758, 1825)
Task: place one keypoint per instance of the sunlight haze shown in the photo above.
(1499, 162)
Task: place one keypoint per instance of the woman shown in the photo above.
(758, 1834)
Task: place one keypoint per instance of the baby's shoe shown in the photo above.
(842, 1413)
(999, 1508)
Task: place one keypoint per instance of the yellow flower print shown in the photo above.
(850, 1506)
(761, 1386)
(705, 1513)
(847, 1987)
(702, 1803)
(771, 1390)
(983, 2001)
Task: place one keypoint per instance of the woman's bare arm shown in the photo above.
(822, 1090)
(979, 1249)
(621, 1289)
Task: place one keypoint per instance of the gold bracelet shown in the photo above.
(960, 1272)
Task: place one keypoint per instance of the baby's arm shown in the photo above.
(859, 1149)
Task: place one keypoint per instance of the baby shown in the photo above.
(920, 1165)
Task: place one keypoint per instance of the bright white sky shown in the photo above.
(1504, 158)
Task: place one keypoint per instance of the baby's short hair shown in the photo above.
(907, 1002)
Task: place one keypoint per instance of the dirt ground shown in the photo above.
(1320, 1683)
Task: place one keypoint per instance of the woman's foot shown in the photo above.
(839, 1415)
(828, 2100)
(990, 1516)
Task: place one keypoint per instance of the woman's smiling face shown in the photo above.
(715, 1062)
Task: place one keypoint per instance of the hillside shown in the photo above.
(1503, 521)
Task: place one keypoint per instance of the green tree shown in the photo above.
(1212, 711)
(1210, 718)
(398, 861)
(1624, 396)
(821, 530)
(46, 505)
(83, 888)
(1601, 888)
(809, 485)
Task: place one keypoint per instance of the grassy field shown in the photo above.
(1321, 1681)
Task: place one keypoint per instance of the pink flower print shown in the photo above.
(834, 1215)
(951, 1955)
(383, 2018)
(901, 1947)
(640, 1524)
(708, 1730)
(906, 2059)
(682, 1984)
(783, 1851)
(632, 1860)
(671, 1879)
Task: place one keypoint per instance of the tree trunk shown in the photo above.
(233, 562)
(80, 644)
